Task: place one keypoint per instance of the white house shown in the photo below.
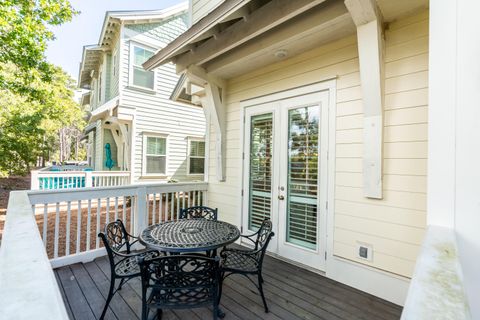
(354, 125)
(319, 111)
(148, 134)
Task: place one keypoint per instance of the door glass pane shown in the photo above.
(261, 150)
(303, 130)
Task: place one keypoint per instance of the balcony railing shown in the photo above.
(70, 179)
(45, 229)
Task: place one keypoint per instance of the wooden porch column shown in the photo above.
(368, 20)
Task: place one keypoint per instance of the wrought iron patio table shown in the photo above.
(189, 235)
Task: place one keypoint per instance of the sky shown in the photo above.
(84, 29)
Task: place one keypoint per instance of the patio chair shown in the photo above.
(179, 282)
(248, 262)
(123, 262)
(199, 212)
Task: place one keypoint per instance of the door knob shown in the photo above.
(281, 197)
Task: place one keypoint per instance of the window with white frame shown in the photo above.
(141, 77)
(155, 155)
(196, 156)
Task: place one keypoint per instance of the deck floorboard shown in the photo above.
(292, 293)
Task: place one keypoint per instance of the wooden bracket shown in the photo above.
(368, 20)
(213, 106)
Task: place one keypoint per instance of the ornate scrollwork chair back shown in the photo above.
(248, 262)
(199, 212)
(123, 262)
(179, 281)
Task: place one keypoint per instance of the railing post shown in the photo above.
(141, 219)
(88, 179)
(34, 182)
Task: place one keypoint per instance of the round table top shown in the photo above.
(189, 235)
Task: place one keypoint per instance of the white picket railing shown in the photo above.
(54, 180)
(70, 220)
(69, 235)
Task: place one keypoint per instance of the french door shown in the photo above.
(285, 174)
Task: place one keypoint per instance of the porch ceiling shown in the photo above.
(241, 36)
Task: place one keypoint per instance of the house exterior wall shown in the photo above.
(98, 146)
(108, 138)
(200, 8)
(154, 112)
(395, 225)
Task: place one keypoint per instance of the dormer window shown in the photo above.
(141, 77)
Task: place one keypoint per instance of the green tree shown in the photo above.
(36, 97)
(29, 128)
(24, 34)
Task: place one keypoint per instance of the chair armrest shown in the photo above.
(245, 252)
(135, 254)
(249, 238)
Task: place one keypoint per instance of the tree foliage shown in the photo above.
(29, 128)
(36, 97)
(24, 35)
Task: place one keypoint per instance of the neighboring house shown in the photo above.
(131, 112)
(318, 111)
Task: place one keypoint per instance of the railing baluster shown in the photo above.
(178, 204)
(45, 223)
(132, 215)
(107, 213)
(124, 209)
(79, 224)
(154, 207)
(160, 209)
(116, 208)
(67, 236)
(172, 205)
(183, 200)
(89, 217)
(99, 213)
(57, 222)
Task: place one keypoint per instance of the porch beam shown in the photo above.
(265, 18)
(368, 20)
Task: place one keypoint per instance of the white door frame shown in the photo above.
(327, 86)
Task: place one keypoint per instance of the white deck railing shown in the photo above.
(54, 180)
(437, 286)
(36, 238)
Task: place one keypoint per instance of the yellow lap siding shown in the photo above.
(394, 226)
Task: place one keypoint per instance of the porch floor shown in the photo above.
(291, 292)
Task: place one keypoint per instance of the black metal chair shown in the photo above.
(199, 212)
(248, 262)
(179, 282)
(123, 262)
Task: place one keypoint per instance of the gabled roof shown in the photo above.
(111, 25)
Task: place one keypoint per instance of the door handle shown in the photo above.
(280, 197)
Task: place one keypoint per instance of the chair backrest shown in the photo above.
(264, 236)
(115, 238)
(199, 212)
(180, 280)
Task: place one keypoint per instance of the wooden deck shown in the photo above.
(292, 293)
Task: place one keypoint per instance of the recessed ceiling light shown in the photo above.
(280, 53)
